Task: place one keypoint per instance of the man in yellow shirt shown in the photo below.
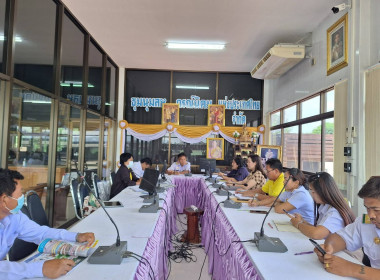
(272, 188)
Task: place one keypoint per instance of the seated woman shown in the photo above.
(238, 173)
(124, 176)
(333, 211)
(256, 178)
(296, 198)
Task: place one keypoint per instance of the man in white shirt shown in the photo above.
(181, 166)
(139, 167)
(355, 236)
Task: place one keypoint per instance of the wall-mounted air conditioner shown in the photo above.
(278, 60)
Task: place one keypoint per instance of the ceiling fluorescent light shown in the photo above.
(17, 38)
(37, 101)
(74, 84)
(195, 46)
(192, 87)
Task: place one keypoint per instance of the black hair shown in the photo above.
(239, 161)
(147, 160)
(181, 155)
(297, 175)
(7, 181)
(324, 185)
(259, 166)
(371, 189)
(274, 163)
(124, 157)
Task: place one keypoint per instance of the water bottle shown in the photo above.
(24, 162)
(158, 169)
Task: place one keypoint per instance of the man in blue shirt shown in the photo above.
(14, 224)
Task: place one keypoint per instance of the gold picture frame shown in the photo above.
(269, 151)
(216, 115)
(170, 113)
(337, 45)
(215, 148)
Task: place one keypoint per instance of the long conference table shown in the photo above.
(149, 235)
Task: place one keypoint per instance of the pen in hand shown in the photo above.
(304, 253)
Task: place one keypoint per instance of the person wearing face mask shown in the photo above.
(14, 224)
(296, 198)
(124, 176)
(357, 235)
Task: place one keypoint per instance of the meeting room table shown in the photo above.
(222, 230)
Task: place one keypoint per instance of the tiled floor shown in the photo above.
(189, 270)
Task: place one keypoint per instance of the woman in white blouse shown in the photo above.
(333, 211)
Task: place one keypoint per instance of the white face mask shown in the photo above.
(130, 164)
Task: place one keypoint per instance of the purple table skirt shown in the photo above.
(235, 264)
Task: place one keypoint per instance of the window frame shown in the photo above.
(322, 116)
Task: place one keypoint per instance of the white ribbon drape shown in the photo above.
(191, 140)
(147, 137)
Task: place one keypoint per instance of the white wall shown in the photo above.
(305, 79)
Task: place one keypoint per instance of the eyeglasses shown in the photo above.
(268, 171)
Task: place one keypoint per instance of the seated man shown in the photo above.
(355, 236)
(15, 224)
(139, 167)
(181, 166)
(266, 195)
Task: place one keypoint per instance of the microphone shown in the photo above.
(164, 167)
(106, 254)
(270, 244)
(228, 203)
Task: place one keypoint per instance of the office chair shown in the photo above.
(36, 210)
(95, 180)
(112, 178)
(74, 186)
(20, 248)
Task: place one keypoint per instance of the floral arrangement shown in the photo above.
(254, 134)
(236, 134)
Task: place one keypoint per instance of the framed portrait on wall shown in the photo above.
(170, 113)
(215, 148)
(216, 115)
(269, 151)
(337, 45)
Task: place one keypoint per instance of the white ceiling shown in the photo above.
(133, 32)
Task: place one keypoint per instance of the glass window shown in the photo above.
(311, 149)
(275, 118)
(275, 137)
(91, 149)
(72, 61)
(329, 146)
(29, 138)
(108, 155)
(290, 114)
(2, 119)
(34, 53)
(310, 107)
(95, 72)
(67, 155)
(186, 85)
(111, 89)
(290, 148)
(157, 150)
(2, 33)
(330, 100)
